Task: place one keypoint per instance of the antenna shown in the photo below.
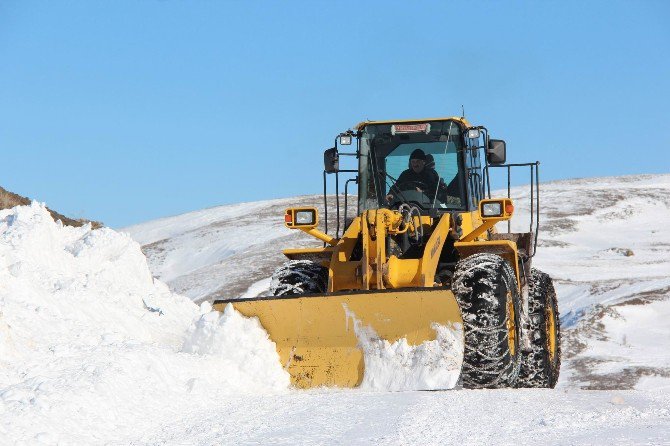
(462, 111)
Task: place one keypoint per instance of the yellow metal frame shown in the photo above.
(375, 270)
(490, 222)
(321, 255)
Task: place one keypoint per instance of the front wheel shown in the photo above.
(299, 277)
(487, 294)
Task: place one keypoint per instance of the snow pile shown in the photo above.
(93, 349)
(242, 342)
(431, 365)
(61, 281)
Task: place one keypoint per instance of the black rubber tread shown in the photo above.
(538, 369)
(481, 284)
(299, 277)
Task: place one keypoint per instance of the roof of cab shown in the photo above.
(362, 125)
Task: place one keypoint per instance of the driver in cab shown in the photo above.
(418, 177)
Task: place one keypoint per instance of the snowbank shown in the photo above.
(93, 349)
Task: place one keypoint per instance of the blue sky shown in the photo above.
(127, 111)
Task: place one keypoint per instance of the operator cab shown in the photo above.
(449, 174)
(390, 177)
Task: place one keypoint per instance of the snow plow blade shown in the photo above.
(316, 335)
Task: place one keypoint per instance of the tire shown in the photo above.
(487, 294)
(299, 277)
(540, 367)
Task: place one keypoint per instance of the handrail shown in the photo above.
(534, 195)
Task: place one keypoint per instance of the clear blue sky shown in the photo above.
(125, 111)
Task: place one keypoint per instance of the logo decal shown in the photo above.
(435, 247)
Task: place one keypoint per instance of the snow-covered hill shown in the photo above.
(606, 244)
(93, 350)
(218, 252)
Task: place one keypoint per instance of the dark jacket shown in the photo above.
(408, 181)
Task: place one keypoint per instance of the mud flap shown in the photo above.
(316, 336)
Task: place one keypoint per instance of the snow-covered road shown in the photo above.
(505, 417)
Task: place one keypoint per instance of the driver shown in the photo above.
(416, 177)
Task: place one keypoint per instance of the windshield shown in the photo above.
(421, 168)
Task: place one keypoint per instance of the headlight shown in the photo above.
(304, 217)
(345, 140)
(492, 209)
(301, 218)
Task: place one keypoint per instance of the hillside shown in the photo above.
(222, 251)
(9, 199)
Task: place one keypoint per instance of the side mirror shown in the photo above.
(331, 160)
(496, 151)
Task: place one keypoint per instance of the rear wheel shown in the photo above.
(299, 277)
(487, 294)
(540, 367)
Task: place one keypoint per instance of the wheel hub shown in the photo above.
(511, 325)
(551, 332)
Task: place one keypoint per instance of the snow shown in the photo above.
(203, 254)
(243, 344)
(605, 243)
(431, 365)
(256, 289)
(506, 417)
(586, 227)
(93, 350)
(218, 253)
(654, 384)
(635, 336)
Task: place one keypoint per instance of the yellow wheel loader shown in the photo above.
(423, 251)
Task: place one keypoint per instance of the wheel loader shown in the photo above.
(427, 247)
